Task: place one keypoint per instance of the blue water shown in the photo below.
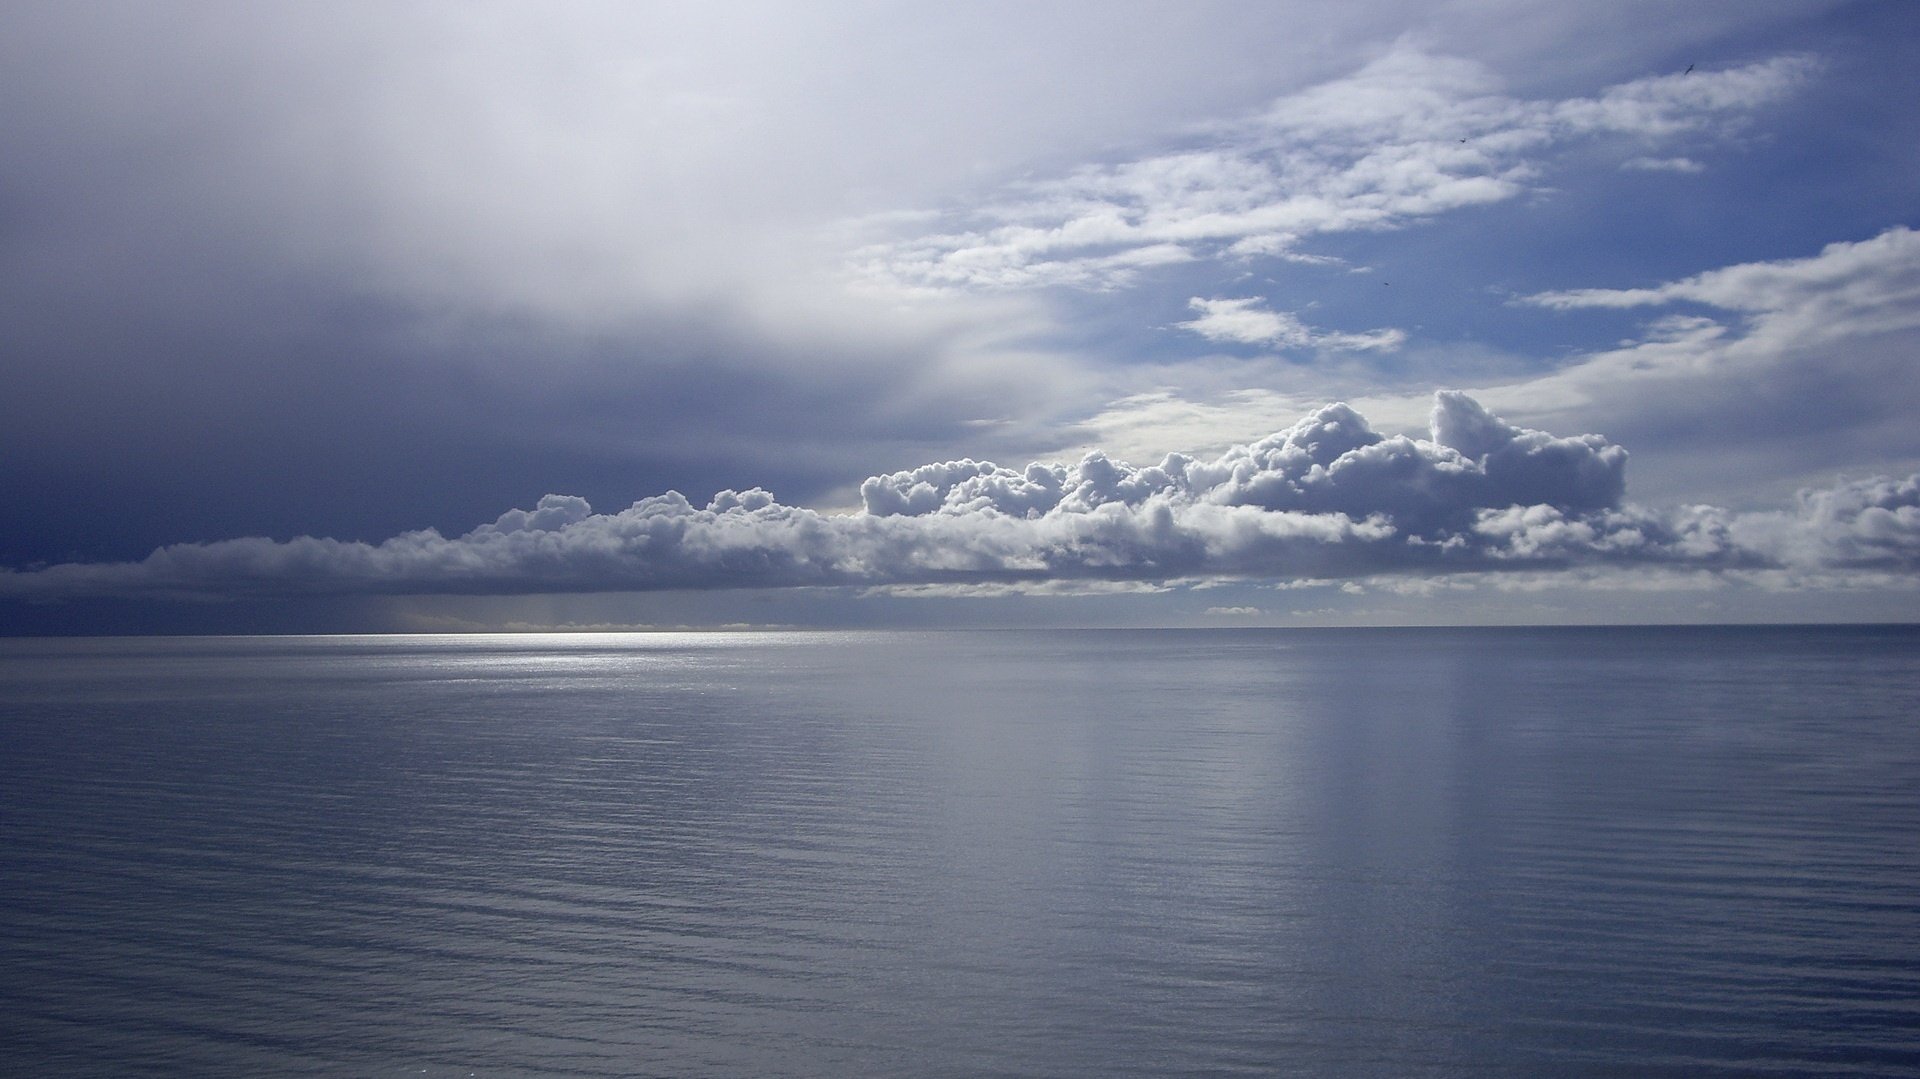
(1582, 852)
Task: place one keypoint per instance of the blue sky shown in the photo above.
(411, 316)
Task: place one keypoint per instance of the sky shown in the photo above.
(416, 316)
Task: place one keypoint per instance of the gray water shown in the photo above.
(1396, 853)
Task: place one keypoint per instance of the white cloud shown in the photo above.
(1663, 164)
(1246, 322)
(1787, 368)
(1873, 523)
(1410, 135)
(1145, 426)
(1327, 498)
(1330, 462)
(1758, 377)
(1871, 284)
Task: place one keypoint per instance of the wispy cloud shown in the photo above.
(1877, 278)
(1685, 165)
(1785, 367)
(1247, 322)
(1327, 498)
(1409, 136)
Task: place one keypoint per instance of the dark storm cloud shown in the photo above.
(354, 423)
(300, 268)
(1328, 497)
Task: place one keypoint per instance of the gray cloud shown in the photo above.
(310, 268)
(345, 270)
(1330, 463)
(1327, 498)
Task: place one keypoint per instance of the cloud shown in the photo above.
(1807, 363)
(1865, 524)
(1246, 322)
(1410, 135)
(1876, 279)
(1740, 382)
(1330, 463)
(1326, 498)
(1663, 164)
(300, 268)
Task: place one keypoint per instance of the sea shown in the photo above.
(1381, 852)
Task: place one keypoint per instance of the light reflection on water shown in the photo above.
(1429, 852)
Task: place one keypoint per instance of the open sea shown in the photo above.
(1406, 853)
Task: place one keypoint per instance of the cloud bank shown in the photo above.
(1326, 498)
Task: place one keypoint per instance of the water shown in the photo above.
(1396, 853)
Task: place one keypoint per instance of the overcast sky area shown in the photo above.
(421, 316)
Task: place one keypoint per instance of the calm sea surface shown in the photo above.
(1638, 852)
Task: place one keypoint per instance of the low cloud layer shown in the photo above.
(1327, 498)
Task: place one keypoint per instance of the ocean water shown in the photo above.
(1572, 852)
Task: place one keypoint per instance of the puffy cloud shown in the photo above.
(1807, 362)
(1326, 498)
(1761, 375)
(1866, 524)
(1410, 135)
(1330, 463)
(1862, 525)
(1246, 322)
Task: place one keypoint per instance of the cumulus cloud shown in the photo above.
(1866, 524)
(1332, 463)
(1411, 135)
(1247, 322)
(1327, 498)
(1747, 378)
